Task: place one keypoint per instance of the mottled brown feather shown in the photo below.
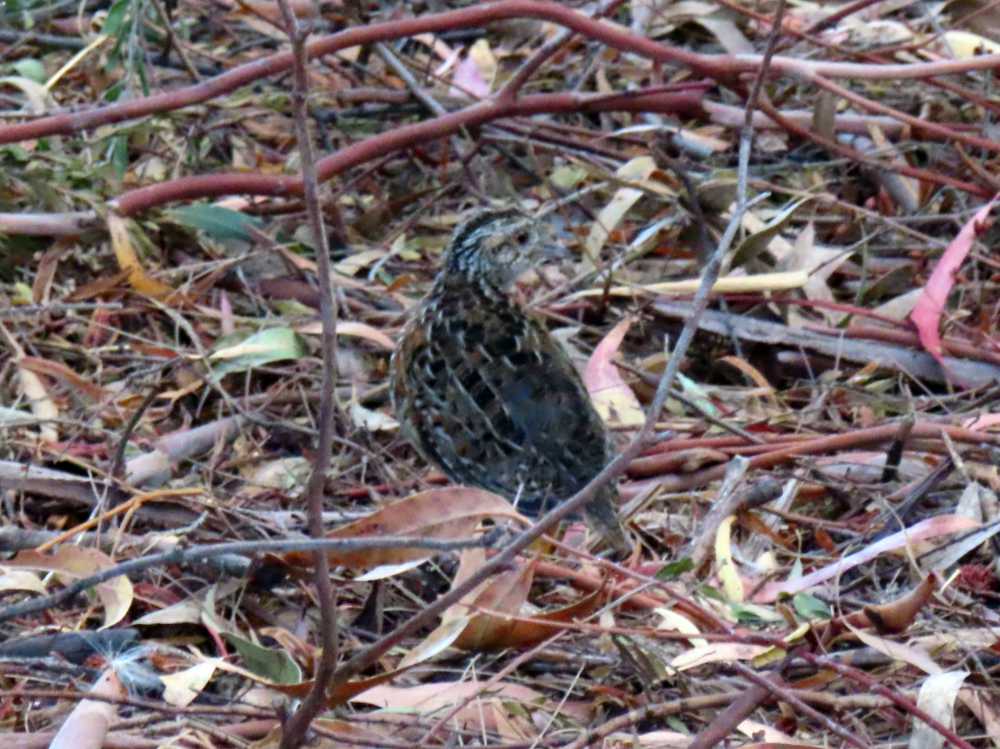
(482, 389)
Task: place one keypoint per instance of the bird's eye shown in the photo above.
(522, 238)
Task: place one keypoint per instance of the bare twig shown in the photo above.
(727, 720)
(320, 546)
(900, 700)
(57, 308)
(295, 728)
(720, 67)
(547, 51)
(683, 99)
(772, 685)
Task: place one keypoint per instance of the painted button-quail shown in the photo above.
(482, 389)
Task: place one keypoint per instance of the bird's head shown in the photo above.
(497, 246)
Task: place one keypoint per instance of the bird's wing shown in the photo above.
(546, 400)
(492, 399)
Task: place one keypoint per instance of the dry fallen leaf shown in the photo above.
(613, 399)
(72, 562)
(449, 513)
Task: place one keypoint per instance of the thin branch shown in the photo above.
(857, 156)
(720, 67)
(547, 51)
(295, 728)
(787, 695)
(685, 100)
(901, 701)
(178, 556)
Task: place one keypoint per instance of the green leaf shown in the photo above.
(749, 613)
(216, 221)
(711, 592)
(116, 17)
(143, 77)
(810, 607)
(31, 69)
(119, 155)
(113, 91)
(274, 665)
(16, 153)
(756, 244)
(676, 724)
(567, 177)
(675, 569)
(697, 393)
(265, 347)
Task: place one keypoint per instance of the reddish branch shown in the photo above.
(852, 154)
(200, 186)
(966, 95)
(611, 35)
(719, 67)
(784, 452)
(900, 700)
(722, 68)
(838, 15)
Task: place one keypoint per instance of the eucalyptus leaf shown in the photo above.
(116, 17)
(756, 244)
(216, 221)
(265, 347)
(274, 665)
(673, 570)
(32, 69)
(810, 607)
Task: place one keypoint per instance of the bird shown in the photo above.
(482, 389)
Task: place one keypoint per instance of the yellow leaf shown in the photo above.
(731, 583)
(128, 261)
(965, 44)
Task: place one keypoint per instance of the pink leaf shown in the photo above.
(926, 315)
(984, 422)
(613, 399)
(468, 80)
(940, 525)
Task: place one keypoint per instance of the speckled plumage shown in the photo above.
(482, 389)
